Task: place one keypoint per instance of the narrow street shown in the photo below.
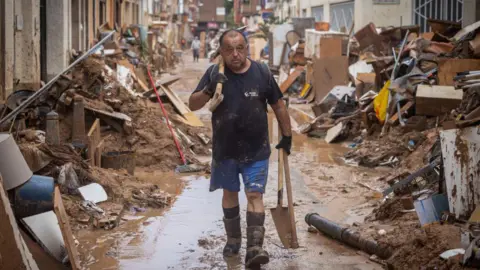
(190, 234)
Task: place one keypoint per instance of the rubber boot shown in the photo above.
(234, 236)
(256, 256)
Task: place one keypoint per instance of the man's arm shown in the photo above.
(281, 112)
(197, 100)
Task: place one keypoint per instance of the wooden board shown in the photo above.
(406, 107)
(190, 117)
(448, 68)
(14, 252)
(329, 72)
(167, 81)
(291, 79)
(94, 138)
(66, 230)
(99, 152)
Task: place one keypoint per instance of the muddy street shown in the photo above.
(190, 234)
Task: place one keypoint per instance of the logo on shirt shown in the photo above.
(252, 93)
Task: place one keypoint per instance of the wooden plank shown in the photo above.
(66, 230)
(190, 117)
(329, 72)
(436, 100)
(448, 68)
(406, 107)
(94, 138)
(99, 152)
(13, 249)
(291, 79)
(167, 81)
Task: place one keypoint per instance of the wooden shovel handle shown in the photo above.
(288, 183)
(221, 69)
(280, 170)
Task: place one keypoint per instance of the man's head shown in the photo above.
(196, 37)
(234, 49)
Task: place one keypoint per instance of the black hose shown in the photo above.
(347, 236)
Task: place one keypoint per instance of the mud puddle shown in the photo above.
(162, 239)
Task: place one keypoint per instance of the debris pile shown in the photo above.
(405, 100)
(74, 144)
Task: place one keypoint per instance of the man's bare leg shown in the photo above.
(255, 256)
(231, 219)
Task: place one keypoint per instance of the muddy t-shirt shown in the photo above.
(240, 123)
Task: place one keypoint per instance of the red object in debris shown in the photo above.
(166, 117)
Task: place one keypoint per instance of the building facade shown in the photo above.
(37, 36)
(342, 14)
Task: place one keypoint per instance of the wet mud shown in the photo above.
(190, 234)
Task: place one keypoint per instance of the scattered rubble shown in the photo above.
(405, 100)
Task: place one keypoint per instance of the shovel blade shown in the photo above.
(281, 218)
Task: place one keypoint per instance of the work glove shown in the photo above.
(212, 86)
(285, 144)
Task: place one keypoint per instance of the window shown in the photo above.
(386, 2)
(341, 16)
(317, 13)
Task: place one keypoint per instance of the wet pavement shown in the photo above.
(190, 234)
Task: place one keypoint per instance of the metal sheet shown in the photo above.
(45, 228)
(93, 192)
(461, 159)
(13, 167)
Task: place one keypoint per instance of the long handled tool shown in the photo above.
(185, 166)
(284, 217)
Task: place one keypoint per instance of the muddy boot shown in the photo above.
(256, 256)
(234, 236)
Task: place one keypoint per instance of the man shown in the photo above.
(240, 140)
(196, 49)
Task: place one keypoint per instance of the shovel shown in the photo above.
(284, 217)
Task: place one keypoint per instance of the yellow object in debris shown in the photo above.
(305, 89)
(380, 103)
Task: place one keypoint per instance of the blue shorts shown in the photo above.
(226, 175)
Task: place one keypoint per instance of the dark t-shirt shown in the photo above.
(240, 124)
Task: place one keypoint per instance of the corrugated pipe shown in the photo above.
(347, 236)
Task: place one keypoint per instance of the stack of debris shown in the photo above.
(410, 101)
(82, 135)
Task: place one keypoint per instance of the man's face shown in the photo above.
(234, 51)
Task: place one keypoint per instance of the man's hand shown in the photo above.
(212, 86)
(285, 144)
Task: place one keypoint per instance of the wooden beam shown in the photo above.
(14, 252)
(394, 119)
(66, 230)
(94, 138)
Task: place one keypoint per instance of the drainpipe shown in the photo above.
(347, 236)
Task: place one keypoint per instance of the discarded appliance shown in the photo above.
(347, 236)
(93, 192)
(13, 167)
(461, 156)
(34, 197)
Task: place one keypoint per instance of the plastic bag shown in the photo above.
(380, 103)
